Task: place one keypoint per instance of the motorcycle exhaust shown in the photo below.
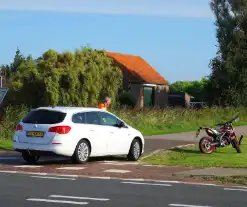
(214, 143)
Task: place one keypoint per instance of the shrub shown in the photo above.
(12, 115)
(126, 99)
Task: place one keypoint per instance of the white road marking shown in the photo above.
(56, 201)
(235, 189)
(79, 198)
(240, 186)
(33, 173)
(206, 184)
(28, 166)
(9, 158)
(184, 205)
(8, 171)
(103, 178)
(156, 184)
(119, 163)
(55, 178)
(64, 175)
(154, 181)
(150, 154)
(136, 180)
(117, 171)
(71, 168)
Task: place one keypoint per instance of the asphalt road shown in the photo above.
(153, 144)
(29, 191)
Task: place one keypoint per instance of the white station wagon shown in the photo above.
(76, 132)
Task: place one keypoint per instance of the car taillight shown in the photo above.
(19, 128)
(60, 129)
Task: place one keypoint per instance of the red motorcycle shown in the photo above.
(221, 137)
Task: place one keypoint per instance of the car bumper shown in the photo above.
(43, 149)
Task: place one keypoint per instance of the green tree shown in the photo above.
(228, 80)
(195, 88)
(18, 60)
(81, 78)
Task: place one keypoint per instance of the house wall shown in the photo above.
(136, 91)
(179, 99)
(161, 96)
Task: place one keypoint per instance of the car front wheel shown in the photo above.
(135, 150)
(82, 152)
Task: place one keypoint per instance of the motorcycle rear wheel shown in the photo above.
(236, 145)
(205, 145)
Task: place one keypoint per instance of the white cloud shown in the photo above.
(179, 8)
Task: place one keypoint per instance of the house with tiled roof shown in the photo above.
(146, 85)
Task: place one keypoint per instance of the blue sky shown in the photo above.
(177, 37)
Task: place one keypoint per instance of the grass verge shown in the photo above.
(175, 120)
(237, 179)
(191, 156)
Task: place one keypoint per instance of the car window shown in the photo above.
(43, 116)
(92, 118)
(108, 119)
(79, 118)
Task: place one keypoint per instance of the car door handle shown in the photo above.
(112, 132)
(92, 130)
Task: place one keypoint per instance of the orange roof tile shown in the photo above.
(138, 68)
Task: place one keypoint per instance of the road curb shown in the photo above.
(152, 153)
(157, 151)
(181, 146)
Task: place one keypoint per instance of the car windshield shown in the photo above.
(44, 117)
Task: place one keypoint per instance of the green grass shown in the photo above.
(192, 157)
(150, 121)
(6, 144)
(236, 179)
(157, 121)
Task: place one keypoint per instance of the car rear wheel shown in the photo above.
(29, 158)
(135, 150)
(82, 152)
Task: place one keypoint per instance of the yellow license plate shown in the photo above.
(35, 134)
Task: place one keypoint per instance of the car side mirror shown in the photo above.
(121, 125)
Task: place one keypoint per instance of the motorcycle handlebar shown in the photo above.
(229, 122)
(223, 124)
(234, 119)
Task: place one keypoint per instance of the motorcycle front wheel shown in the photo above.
(205, 145)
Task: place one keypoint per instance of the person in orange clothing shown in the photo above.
(105, 104)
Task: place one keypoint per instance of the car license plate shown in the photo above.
(35, 134)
